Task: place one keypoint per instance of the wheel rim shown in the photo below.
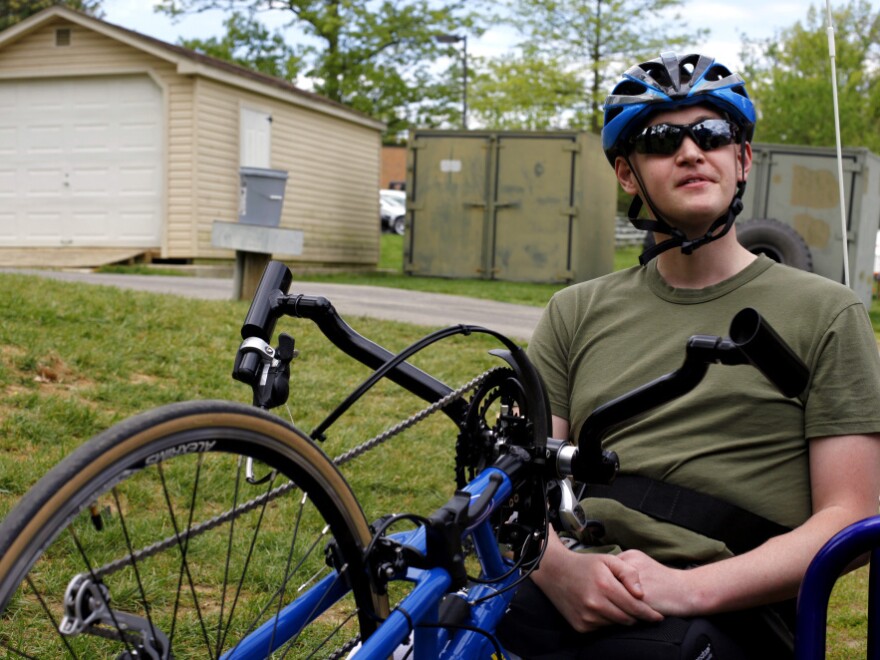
(204, 592)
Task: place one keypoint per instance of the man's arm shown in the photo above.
(845, 481)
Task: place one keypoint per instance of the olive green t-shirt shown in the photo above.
(735, 436)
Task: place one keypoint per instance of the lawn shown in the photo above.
(74, 359)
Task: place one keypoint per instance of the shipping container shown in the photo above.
(516, 206)
(798, 187)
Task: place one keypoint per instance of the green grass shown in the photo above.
(74, 359)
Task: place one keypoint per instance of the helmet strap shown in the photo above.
(677, 237)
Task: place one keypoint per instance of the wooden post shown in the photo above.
(254, 246)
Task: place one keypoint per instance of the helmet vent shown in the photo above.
(658, 72)
(629, 88)
(717, 72)
(687, 71)
(612, 113)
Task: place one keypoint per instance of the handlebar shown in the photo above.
(271, 301)
(752, 341)
(767, 351)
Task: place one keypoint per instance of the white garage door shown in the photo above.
(81, 162)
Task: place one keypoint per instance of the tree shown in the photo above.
(789, 78)
(15, 11)
(598, 38)
(248, 43)
(377, 56)
(527, 92)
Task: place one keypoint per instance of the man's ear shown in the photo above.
(626, 177)
(746, 155)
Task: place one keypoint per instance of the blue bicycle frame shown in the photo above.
(421, 605)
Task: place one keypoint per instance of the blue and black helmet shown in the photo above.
(670, 82)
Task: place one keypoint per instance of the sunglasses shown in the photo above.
(665, 139)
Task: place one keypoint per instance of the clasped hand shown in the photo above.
(596, 590)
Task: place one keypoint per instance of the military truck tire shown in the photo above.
(777, 240)
(768, 236)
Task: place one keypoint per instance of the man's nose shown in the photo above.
(689, 150)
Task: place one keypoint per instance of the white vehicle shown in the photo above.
(392, 210)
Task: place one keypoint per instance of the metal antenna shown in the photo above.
(832, 53)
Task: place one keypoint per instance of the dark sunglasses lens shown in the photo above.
(665, 139)
(659, 139)
(713, 134)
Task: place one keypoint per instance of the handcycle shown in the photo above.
(214, 529)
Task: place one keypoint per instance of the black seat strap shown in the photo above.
(738, 529)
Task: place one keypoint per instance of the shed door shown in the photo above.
(81, 162)
(256, 138)
(533, 212)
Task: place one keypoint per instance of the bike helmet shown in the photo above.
(667, 83)
(670, 82)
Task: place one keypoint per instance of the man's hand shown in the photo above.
(592, 590)
(667, 590)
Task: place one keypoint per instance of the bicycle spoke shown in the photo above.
(254, 624)
(119, 629)
(327, 638)
(293, 538)
(247, 560)
(184, 565)
(134, 565)
(18, 653)
(220, 632)
(49, 616)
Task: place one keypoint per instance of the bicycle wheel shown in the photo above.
(155, 540)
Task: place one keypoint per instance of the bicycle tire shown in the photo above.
(147, 475)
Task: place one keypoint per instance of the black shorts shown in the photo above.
(533, 628)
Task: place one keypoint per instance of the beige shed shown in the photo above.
(115, 145)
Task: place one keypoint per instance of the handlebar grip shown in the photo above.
(263, 313)
(767, 351)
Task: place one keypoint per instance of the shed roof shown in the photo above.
(190, 62)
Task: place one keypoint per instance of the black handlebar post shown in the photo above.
(753, 341)
(263, 313)
(767, 351)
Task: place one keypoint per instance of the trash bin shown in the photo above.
(262, 196)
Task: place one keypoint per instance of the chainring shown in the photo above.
(496, 415)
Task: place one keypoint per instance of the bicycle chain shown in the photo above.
(201, 528)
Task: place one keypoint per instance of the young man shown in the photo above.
(662, 584)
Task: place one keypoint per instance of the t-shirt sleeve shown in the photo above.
(548, 350)
(844, 391)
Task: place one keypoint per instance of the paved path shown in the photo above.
(426, 309)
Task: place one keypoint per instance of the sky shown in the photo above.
(727, 20)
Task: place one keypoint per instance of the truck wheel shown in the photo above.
(777, 240)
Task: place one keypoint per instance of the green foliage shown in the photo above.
(789, 78)
(249, 43)
(527, 91)
(596, 39)
(15, 11)
(376, 57)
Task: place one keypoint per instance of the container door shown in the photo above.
(804, 193)
(533, 209)
(447, 206)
